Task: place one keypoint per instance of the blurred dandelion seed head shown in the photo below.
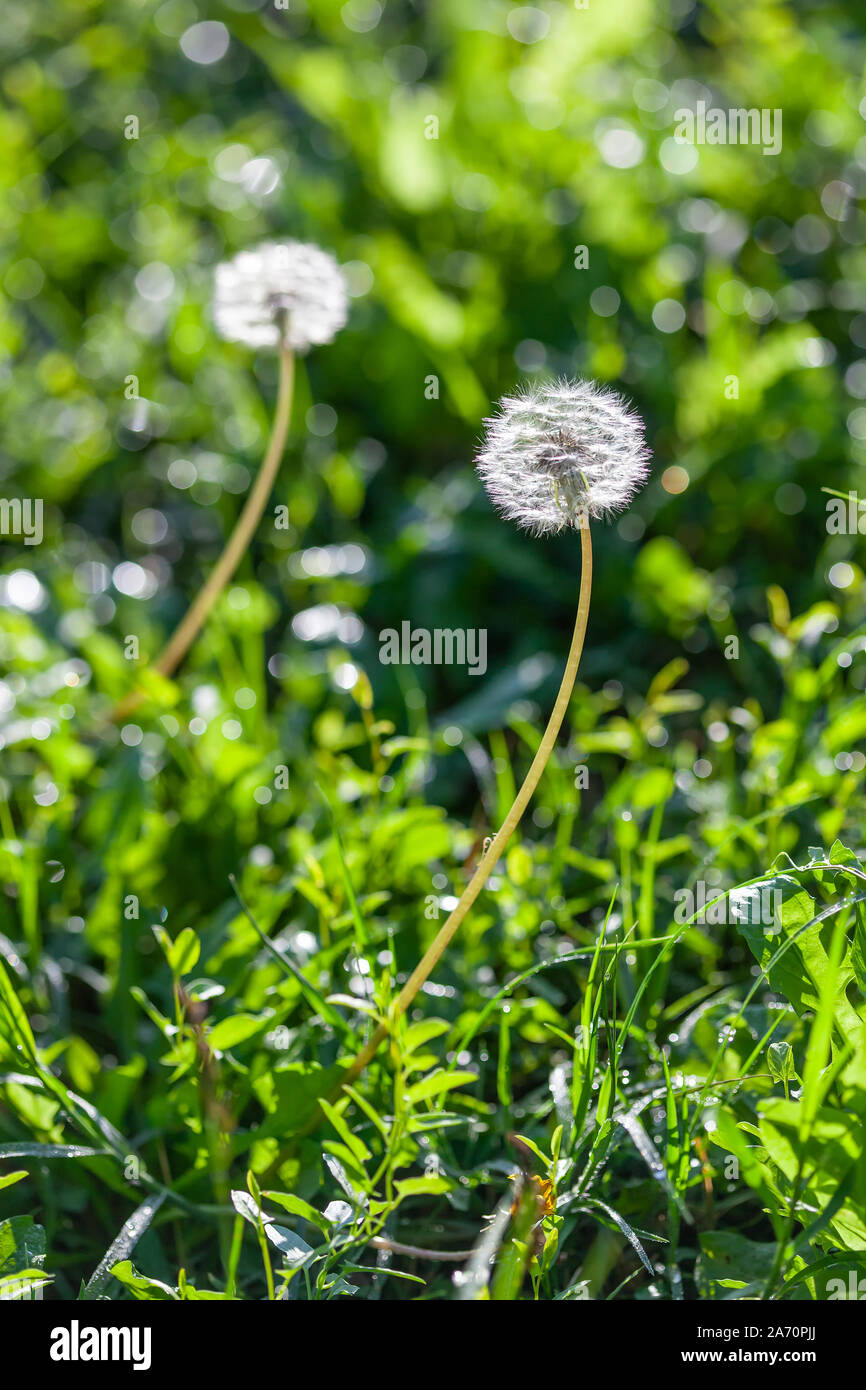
(562, 451)
(291, 292)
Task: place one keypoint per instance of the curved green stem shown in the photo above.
(190, 626)
(434, 952)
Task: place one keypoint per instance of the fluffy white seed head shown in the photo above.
(289, 291)
(561, 451)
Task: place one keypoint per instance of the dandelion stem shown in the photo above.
(188, 629)
(434, 952)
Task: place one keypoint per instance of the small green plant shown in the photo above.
(803, 1152)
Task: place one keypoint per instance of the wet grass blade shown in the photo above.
(122, 1247)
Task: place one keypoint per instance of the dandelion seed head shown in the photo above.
(291, 292)
(562, 451)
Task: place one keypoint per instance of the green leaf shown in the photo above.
(437, 1083)
(727, 1258)
(780, 1060)
(792, 949)
(832, 1154)
(290, 1095)
(355, 1145)
(246, 1206)
(15, 1029)
(296, 1206)
(422, 1187)
(183, 953)
(380, 1270)
(7, 1179)
(231, 1031)
(420, 1033)
(22, 1245)
(294, 1250)
(144, 1289)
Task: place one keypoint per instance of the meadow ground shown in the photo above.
(637, 1073)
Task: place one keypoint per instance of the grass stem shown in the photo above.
(190, 626)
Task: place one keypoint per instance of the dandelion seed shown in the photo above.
(291, 293)
(560, 452)
(289, 296)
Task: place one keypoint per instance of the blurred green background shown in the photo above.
(503, 185)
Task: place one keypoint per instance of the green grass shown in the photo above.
(648, 1106)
